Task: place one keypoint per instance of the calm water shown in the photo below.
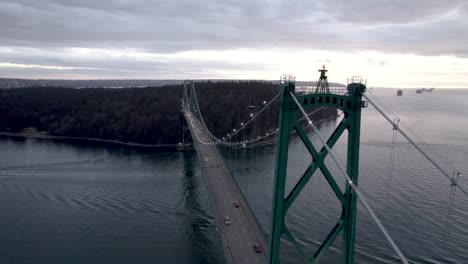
(76, 202)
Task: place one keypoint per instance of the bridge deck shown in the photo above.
(244, 231)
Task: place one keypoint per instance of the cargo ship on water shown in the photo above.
(419, 91)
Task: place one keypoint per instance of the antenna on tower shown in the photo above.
(322, 84)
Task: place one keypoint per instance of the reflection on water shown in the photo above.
(91, 204)
(199, 228)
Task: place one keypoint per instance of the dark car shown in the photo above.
(236, 204)
(257, 248)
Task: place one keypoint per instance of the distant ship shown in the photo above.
(418, 91)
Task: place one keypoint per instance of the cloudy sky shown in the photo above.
(394, 43)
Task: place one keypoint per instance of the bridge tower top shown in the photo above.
(322, 73)
(322, 84)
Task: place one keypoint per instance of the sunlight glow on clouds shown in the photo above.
(382, 69)
(26, 66)
(393, 43)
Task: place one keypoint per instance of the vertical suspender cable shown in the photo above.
(425, 154)
(392, 161)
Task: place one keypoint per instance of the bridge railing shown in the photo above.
(301, 90)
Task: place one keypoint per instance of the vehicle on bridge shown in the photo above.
(227, 220)
(257, 248)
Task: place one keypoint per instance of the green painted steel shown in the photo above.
(354, 115)
(351, 105)
(287, 115)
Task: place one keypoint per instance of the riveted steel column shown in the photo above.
(349, 232)
(287, 119)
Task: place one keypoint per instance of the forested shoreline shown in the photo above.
(150, 115)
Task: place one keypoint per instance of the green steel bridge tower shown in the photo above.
(349, 100)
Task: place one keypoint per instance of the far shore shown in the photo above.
(45, 136)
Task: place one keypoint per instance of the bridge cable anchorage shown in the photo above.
(418, 147)
(358, 192)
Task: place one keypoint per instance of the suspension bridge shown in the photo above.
(242, 237)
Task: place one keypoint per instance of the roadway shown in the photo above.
(244, 231)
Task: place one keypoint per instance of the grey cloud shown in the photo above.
(391, 11)
(61, 58)
(441, 38)
(48, 61)
(40, 73)
(171, 26)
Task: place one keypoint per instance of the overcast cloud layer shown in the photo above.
(229, 39)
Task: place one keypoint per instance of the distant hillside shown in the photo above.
(149, 115)
(26, 83)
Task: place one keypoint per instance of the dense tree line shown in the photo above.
(149, 115)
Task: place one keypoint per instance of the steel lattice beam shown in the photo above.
(351, 105)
